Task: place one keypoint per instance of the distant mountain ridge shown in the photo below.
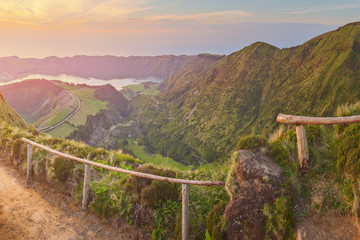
(243, 93)
(101, 67)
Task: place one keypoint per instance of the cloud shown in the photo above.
(324, 9)
(52, 12)
(208, 17)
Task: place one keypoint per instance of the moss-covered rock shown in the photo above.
(258, 179)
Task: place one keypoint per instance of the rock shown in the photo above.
(257, 179)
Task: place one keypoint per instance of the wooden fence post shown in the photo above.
(29, 159)
(303, 152)
(85, 199)
(185, 211)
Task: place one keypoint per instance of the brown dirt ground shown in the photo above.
(319, 226)
(28, 214)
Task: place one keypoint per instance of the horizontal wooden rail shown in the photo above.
(301, 120)
(120, 170)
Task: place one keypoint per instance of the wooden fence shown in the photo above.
(300, 121)
(185, 183)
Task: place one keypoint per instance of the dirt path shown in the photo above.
(25, 214)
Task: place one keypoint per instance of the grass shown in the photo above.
(28, 118)
(148, 89)
(62, 131)
(89, 105)
(63, 113)
(156, 159)
(59, 116)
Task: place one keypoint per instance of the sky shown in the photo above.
(41, 28)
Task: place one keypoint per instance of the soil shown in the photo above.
(328, 226)
(32, 213)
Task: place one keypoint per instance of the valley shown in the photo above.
(212, 118)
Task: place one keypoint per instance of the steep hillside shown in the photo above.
(9, 116)
(99, 128)
(188, 74)
(35, 99)
(204, 115)
(102, 67)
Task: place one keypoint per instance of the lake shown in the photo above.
(117, 83)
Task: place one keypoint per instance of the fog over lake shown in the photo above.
(117, 83)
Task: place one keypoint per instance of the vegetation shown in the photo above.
(156, 159)
(219, 101)
(89, 106)
(62, 131)
(148, 204)
(9, 116)
(203, 110)
(147, 89)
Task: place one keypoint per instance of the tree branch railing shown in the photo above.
(185, 183)
(300, 121)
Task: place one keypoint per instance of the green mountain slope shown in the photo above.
(37, 99)
(204, 115)
(9, 116)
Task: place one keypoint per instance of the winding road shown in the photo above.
(62, 121)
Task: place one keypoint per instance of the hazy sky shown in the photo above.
(40, 28)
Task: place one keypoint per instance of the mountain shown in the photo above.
(34, 99)
(101, 67)
(102, 128)
(122, 119)
(8, 115)
(204, 112)
(45, 103)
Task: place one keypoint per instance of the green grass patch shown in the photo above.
(135, 87)
(59, 116)
(89, 106)
(156, 159)
(63, 113)
(62, 131)
(148, 89)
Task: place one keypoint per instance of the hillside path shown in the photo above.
(25, 214)
(69, 116)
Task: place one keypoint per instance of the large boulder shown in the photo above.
(253, 181)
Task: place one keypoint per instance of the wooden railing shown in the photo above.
(300, 121)
(185, 183)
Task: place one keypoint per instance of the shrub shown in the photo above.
(347, 150)
(251, 142)
(279, 219)
(102, 203)
(18, 149)
(159, 192)
(216, 222)
(62, 168)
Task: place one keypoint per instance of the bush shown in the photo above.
(347, 150)
(216, 222)
(102, 203)
(251, 142)
(158, 192)
(18, 149)
(62, 168)
(280, 220)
